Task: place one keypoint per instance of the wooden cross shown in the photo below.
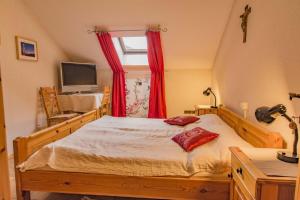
(244, 23)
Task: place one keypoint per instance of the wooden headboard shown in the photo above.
(252, 133)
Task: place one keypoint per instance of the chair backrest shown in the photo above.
(50, 101)
(105, 104)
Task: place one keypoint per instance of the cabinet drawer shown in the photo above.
(210, 111)
(243, 178)
(238, 194)
(203, 111)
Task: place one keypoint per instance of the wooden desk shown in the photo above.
(250, 183)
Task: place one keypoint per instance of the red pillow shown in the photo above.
(191, 139)
(181, 120)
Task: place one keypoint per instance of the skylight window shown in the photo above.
(133, 45)
(132, 50)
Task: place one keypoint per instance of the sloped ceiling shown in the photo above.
(195, 27)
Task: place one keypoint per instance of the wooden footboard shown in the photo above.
(26, 146)
(126, 186)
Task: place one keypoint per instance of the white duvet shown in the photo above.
(138, 147)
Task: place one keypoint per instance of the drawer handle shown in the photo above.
(229, 175)
(67, 183)
(2, 150)
(239, 171)
(203, 190)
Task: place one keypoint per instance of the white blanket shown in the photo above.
(138, 147)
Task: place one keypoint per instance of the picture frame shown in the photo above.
(26, 49)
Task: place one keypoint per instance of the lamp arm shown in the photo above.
(287, 117)
(214, 97)
(295, 141)
(294, 127)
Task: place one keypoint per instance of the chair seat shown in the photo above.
(64, 116)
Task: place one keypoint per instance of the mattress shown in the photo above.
(138, 147)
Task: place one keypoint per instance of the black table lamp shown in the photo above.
(268, 115)
(207, 92)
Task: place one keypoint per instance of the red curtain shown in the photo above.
(157, 102)
(118, 90)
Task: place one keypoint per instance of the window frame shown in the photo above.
(130, 51)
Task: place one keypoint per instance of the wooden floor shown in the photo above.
(54, 196)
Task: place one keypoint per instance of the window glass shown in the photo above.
(137, 44)
(131, 50)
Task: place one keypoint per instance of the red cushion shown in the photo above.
(181, 120)
(191, 139)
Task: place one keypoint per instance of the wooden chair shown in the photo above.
(51, 105)
(105, 103)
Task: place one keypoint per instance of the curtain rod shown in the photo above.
(99, 30)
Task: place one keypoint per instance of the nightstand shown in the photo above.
(202, 110)
(250, 183)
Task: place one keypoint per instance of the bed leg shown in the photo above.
(19, 192)
(26, 195)
(18, 145)
(23, 195)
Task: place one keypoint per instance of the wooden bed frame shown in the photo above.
(209, 188)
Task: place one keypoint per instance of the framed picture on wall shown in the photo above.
(26, 49)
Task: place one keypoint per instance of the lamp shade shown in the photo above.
(265, 114)
(207, 92)
(262, 115)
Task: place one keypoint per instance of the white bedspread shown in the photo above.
(137, 147)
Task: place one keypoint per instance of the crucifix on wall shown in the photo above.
(244, 23)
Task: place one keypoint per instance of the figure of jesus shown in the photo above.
(244, 23)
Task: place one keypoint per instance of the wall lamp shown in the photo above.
(207, 92)
(268, 115)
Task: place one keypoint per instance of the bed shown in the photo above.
(133, 157)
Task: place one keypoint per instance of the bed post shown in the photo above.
(20, 154)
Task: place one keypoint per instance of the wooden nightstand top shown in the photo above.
(251, 182)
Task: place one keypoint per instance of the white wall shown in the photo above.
(21, 79)
(184, 89)
(265, 69)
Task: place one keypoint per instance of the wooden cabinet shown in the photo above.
(203, 111)
(4, 176)
(249, 183)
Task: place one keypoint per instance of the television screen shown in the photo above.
(78, 74)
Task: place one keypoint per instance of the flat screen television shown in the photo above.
(78, 77)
